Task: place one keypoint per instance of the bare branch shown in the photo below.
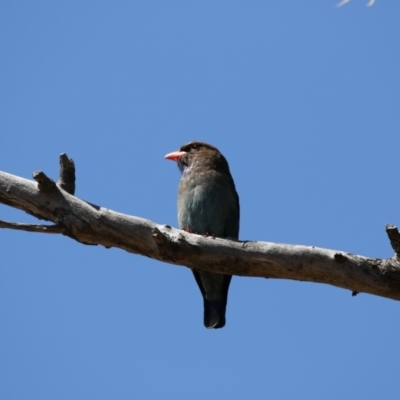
(45, 184)
(67, 174)
(394, 237)
(91, 224)
(343, 2)
(32, 227)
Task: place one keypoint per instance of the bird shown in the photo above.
(208, 204)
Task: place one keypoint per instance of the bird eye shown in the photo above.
(194, 146)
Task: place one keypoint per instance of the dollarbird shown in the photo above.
(208, 204)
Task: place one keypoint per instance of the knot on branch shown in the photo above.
(340, 258)
(159, 238)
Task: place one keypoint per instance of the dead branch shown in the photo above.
(95, 225)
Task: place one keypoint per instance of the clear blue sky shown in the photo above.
(303, 98)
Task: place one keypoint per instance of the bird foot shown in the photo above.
(187, 230)
(207, 234)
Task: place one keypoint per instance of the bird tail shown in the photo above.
(214, 289)
(214, 313)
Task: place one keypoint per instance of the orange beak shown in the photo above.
(175, 155)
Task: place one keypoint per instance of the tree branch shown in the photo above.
(67, 174)
(343, 2)
(32, 227)
(94, 225)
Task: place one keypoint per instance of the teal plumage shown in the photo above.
(208, 204)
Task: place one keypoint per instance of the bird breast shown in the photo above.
(205, 203)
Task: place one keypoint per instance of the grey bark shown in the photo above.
(94, 225)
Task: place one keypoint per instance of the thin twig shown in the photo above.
(32, 227)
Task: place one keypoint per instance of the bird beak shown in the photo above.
(175, 155)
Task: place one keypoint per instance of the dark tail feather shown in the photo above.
(214, 313)
(214, 309)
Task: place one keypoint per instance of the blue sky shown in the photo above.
(303, 99)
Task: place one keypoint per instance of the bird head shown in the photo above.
(198, 153)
